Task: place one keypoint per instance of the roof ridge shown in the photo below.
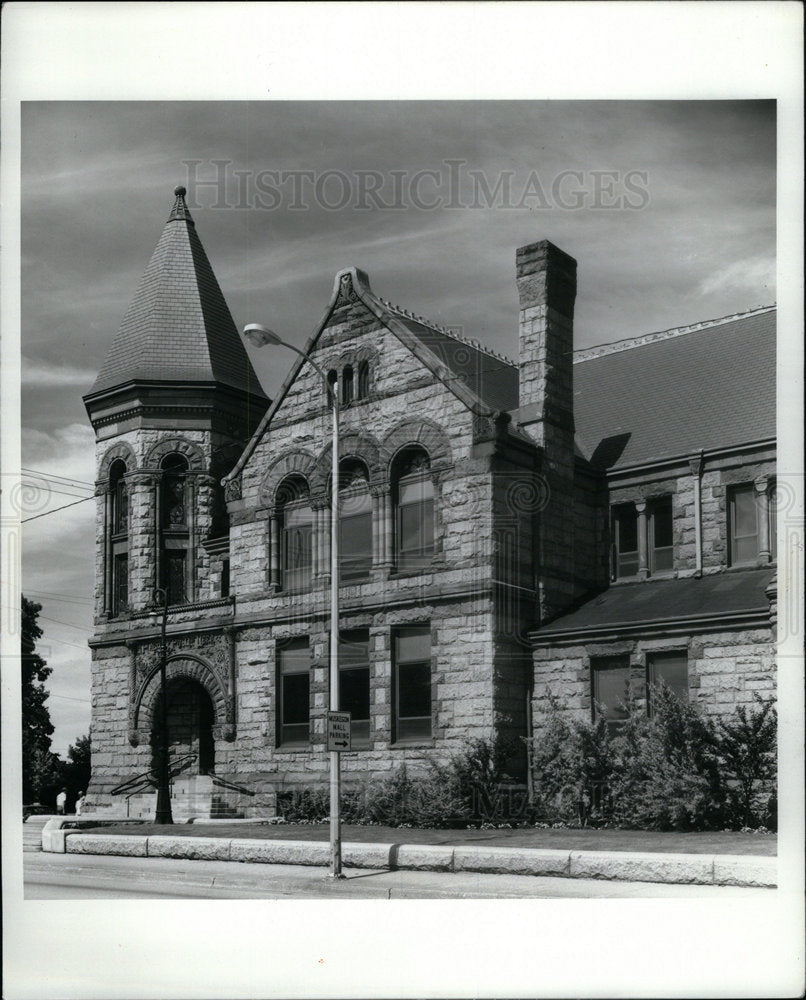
(447, 331)
(616, 346)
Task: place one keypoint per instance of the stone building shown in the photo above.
(562, 524)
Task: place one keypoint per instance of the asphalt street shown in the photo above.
(65, 876)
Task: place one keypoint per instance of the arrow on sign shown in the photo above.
(339, 743)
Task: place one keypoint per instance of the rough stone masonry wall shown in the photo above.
(403, 394)
(113, 759)
(725, 669)
(715, 484)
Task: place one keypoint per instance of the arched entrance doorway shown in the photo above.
(191, 718)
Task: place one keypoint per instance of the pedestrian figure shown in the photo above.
(61, 801)
(79, 803)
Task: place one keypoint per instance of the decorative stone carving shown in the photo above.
(118, 452)
(346, 295)
(232, 489)
(176, 446)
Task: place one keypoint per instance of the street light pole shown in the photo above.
(163, 810)
(260, 335)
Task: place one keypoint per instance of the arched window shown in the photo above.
(347, 385)
(355, 522)
(119, 538)
(414, 502)
(332, 379)
(174, 515)
(296, 516)
(363, 380)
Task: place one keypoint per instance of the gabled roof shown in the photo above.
(490, 376)
(178, 326)
(484, 381)
(674, 393)
(737, 594)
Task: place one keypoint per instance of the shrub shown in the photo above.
(674, 770)
(747, 746)
(570, 765)
(666, 773)
(478, 776)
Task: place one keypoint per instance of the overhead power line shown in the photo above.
(55, 509)
(54, 477)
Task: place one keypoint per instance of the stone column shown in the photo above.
(763, 507)
(643, 560)
(157, 500)
(377, 546)
(107, 552)
(190, 497)
(320, 543)
(388, 529)
(696, 465)
(274, 551)
(143, 540)
(323, 534)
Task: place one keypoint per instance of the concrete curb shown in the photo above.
(692, 869)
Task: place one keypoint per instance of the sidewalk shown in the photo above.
(642, 856)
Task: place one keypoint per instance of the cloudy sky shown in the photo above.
(668, 207)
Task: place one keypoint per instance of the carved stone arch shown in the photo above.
(120, 452)
(424, 433)
(356, 445)
(176, 446)
(365, 352)
(291, 463)
(190, 667)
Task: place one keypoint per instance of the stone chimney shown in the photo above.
(546, 279)
(547, 286)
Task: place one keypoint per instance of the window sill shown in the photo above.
(292, 747)
(422, 744)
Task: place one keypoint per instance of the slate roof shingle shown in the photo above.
(710, 388)
(640, 604)
(178, 326)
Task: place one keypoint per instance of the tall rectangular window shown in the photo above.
(297, 548)
(661, 535)
(672, 670)
(354, 683)
(610, 689)
(175, 570)
(293, 693)
(743, 524)
(355, 534)
(625, 540)
(120, 503)
(121, 583)
(412, 684)
(415, 523)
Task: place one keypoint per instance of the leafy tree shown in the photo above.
(38, 763)
(75, 771)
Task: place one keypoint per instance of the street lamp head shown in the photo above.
(259, 335)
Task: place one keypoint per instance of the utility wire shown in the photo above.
(61, 598)
(53, 476)
(55, 509)
(56, 621)
(52, 489)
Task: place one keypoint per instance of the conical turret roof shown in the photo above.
(178, 326)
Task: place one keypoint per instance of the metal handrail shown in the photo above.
(151, 777)
(230, 784)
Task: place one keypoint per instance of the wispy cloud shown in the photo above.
(34, 373)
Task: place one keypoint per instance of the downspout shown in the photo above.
(696, 466)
